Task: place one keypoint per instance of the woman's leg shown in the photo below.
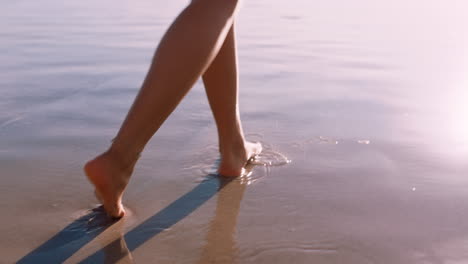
(221, 85)
(184, 53)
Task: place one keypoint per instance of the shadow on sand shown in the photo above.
(76, 235)
(73, 237)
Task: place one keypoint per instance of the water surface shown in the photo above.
(367, 98)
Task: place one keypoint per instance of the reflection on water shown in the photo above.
(220, 244)
(117, 251)
(228, 201)
(164, 219)
(220, 239)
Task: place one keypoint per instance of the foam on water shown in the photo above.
(270, 158)
(207, 162)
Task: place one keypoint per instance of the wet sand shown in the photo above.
(367, 99)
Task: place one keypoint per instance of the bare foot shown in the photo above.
(233, 160)
(105, 173)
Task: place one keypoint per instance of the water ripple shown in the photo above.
(207, 161)
(261, 249)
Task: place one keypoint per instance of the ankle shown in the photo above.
(231, 136)
(123, 161)
(233, 147)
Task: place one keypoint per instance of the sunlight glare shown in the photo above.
(458, 118)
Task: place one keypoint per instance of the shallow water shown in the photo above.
(368, 99)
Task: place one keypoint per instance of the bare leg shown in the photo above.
(221, 84)
(185, 52)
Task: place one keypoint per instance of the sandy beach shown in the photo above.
(368, 100)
